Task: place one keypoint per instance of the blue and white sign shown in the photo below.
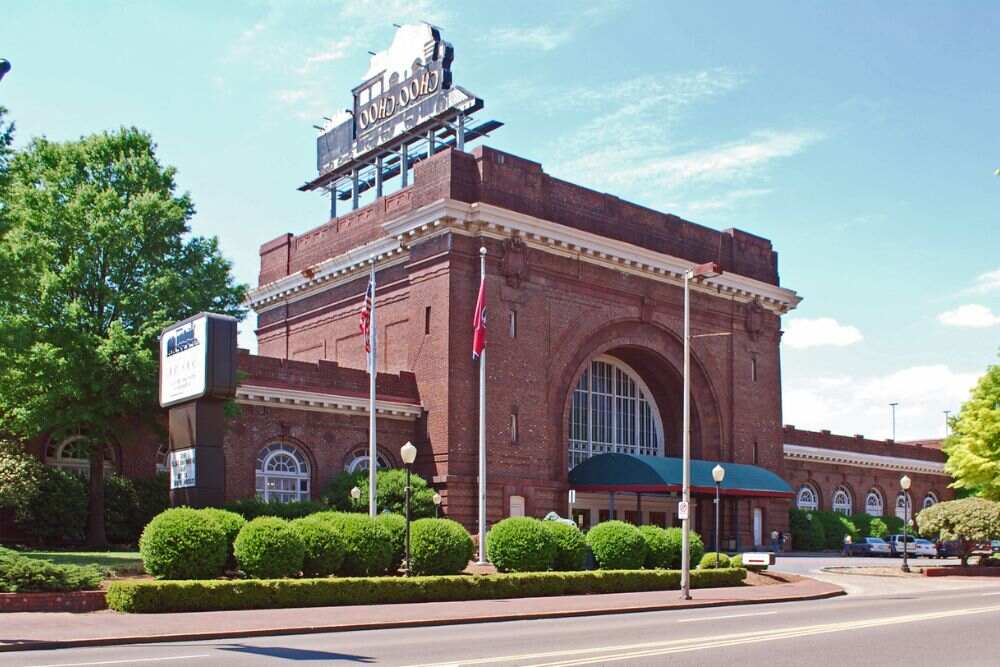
(182, 468)
(183, 358)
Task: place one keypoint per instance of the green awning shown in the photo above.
(658, 474)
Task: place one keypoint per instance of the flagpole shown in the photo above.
(482, 431)
(372, 449)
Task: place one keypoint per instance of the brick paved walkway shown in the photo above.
(19, 631)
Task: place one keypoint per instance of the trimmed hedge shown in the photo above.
(571, 546)
(713, 560)
(252, 508)
(520, 544)
(395, 526)
(617, 545)
(21, 574)
(658, 548)
(368, 548)
(183, 543)
(439, 546)
(268, 547)
(231, 523)
(324, 546)
(181, 596)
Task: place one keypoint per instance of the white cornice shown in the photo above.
(294, 399)
(859, 460)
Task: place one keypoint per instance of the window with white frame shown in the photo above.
(358, 461)
(72, 454)
(282, 474)
(612, 412)
(874, 504)
(904, 506)
(842, 501)
(807, 498)
(930, 500)
(162, 456)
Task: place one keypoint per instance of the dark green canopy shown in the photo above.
(658, 474)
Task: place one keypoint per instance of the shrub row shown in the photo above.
(20, 574)
(182, 596)
(818, 530)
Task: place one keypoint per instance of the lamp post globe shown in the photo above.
(436, 498)
(904, 484)
(718, 474)
(408, 453)
(356, 493)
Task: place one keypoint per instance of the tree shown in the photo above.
(96, 258)
(967, 521)
(973, 447)
(390, 491)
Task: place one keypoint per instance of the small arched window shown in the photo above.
(282, 474)
(874, 504)
(807, 498)
(904, 506)
(842, 501)
(358, 461)
(930, 500)
(72, 454)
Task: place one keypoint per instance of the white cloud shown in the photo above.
(338, 49)
(970, 315)
(849, 405)
(802, 333)
(987, 282)
(724, 202)
(541, 38)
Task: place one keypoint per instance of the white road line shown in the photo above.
(989, 594)
(130, 661)
(719, 618)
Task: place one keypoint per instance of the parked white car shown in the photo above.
(926, 548)
(896, 545)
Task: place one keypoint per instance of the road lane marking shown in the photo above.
(719, 618)
(130, 661)
(697, 643)
(988, 594)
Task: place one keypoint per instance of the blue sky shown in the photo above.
(860, 137)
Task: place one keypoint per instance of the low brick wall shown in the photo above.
(78, 601)
(959, 571)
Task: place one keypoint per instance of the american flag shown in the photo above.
(366, 314)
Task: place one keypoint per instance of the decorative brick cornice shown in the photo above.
(294, 399)
(859, 460)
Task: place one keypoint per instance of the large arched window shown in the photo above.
(72, 454)
(842, 501)
(904, 506)
(612, 412)
(282, 474)
(874, 504)
(930, 499)
(358, 460)
(807, 498)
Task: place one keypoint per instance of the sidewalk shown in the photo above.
(21, 631)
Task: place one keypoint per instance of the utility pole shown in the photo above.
(947, 426)
(892, 407)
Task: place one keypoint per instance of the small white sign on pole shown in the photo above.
(572, 496)
(682, 510)
(182, 468)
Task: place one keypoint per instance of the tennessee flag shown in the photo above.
(479, 322)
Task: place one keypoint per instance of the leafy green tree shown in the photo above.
(390, 493)
(96, 258)
(967, 521)
(973, 447)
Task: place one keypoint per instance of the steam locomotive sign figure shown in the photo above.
(197, 377)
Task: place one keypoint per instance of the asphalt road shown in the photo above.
(947, 626)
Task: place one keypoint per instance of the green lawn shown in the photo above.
(115, 562)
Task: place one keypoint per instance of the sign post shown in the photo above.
(197, 377)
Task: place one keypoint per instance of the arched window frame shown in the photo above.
(930, 500)
(842, 501)
(358, 460)
(630, 422)
(874, 503)
(274, 484)
(65, 454)
(807, 498)
(902, 507)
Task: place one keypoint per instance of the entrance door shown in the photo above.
(516, 506)
(758, 526)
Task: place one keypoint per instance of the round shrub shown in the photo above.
(395, 525)
(674, 544)
(368, 548)
(712, 560)
(183, 543)
(231, 523)
(439, 546)
(617, 546)
(324, 546)
(268, 548)
(658, 548)
(520, 544)
(736, 561)
(571, 546)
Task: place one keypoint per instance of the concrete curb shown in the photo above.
(411, 623)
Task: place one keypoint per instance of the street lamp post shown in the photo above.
(409, 454)
(437, 503)
(700, 271)
(904, 483)
(718, 474)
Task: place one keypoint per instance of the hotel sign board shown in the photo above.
(198, 359)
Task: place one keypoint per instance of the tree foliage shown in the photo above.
(973, 447)
(967, 521)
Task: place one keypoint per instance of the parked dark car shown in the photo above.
(869, 546)
(948, 548)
